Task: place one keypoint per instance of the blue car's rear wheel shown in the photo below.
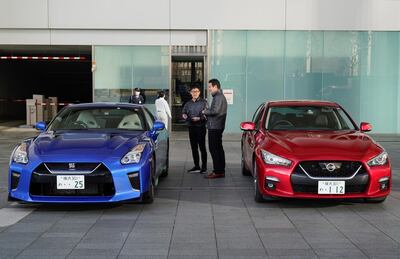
(165, 172)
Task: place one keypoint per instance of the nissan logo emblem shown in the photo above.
(330, 167)
(71, 166)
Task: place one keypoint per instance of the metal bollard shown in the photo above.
(53, 107)
(31, 112)
(39, 107)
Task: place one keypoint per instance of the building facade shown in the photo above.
(346, 51)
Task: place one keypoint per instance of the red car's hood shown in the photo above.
(322, 145)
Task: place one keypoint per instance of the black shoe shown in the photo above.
(203, 170)
(214, 175)
(194, 170)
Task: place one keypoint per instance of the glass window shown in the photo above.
(99, 118)
(303, 65)
(308, 118)
(149, 118)
(345, 121)
(252, 68)
(360, 70)
(119, 69)
(257, 113)
(264, 67)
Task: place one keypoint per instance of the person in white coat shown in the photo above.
(162, 108)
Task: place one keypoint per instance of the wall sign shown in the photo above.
(228, 95)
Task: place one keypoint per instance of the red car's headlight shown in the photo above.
(380, 159)
(272, 159)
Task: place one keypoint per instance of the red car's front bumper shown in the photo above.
(292, 185)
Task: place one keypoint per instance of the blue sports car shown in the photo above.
(90, 153)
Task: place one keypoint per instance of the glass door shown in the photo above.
(188, 68)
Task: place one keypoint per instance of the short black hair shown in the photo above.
(137, 89)
(195, 86)
(215, 82)
(161, 94)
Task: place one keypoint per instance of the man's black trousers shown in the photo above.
(197, 136)
(216, 150)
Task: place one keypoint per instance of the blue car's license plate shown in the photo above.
(70, 182)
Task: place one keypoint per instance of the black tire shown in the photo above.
(375, 200)
(10, 199)
(148, 197)
(165, 172)
(258, 197)
(245, 171)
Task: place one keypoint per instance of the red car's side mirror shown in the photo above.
(365, 126)
(247, 126)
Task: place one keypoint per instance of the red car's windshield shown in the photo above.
(308, 118)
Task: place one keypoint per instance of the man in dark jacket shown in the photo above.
(136, 97)
(196, 121)
(216, 117)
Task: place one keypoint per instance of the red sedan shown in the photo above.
(312, 149)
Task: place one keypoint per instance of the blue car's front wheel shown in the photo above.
(148, 196)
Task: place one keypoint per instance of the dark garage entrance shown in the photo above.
(60, 71)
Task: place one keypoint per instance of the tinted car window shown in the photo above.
(257, 114)
(308, 118)
(149, 118)
(99, 118)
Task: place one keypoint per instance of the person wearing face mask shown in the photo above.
(136, 98)
(196, 121)
(162, 108)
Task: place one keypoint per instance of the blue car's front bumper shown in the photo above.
(122, 186)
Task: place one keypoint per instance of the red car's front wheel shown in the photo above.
(258, 197)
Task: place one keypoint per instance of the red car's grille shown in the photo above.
(306, 175)
(328, 169)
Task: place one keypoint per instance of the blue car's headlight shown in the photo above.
(380, 159)
(20, 154)
(134, 155)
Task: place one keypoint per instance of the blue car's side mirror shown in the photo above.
(41, 125)
(158, 125)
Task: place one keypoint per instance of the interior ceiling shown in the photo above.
(43, 50)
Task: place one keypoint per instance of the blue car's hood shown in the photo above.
(85, 145)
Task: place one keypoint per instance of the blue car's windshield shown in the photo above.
(99, 118)
(308, 118)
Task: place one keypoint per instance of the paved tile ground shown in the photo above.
(197, 218)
